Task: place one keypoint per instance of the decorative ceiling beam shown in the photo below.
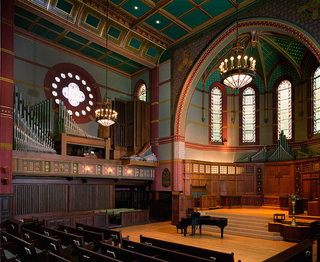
(262, 60)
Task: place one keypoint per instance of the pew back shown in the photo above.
(108, 233)
(67, 238)
(48, 243)
(88, 255)
(165, 254)
(87, 235)
(126, 255)
(195, 251)
(25, 250)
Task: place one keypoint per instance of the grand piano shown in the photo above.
(196, 220)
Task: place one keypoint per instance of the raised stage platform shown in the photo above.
(252, 222)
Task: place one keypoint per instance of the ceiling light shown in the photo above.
(158, 22)
(106, 115)
(240, 71)
(135, 7)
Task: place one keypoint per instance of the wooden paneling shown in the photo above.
(56, 197)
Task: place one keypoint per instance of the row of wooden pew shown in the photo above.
(90, 243)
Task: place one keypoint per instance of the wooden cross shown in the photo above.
(278, 176)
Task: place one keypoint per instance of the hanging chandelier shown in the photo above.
(237, 71)
(106, 115)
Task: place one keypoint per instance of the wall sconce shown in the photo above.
(110, 170)
(88, 169)
(4, 169)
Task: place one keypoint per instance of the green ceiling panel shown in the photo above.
(41, 31)
(215, 8)
(69, 43)
(91, 52)
(112, 61)
(175, 32)
(179, 7)
(134, 64)
(296, 50)
(129, 7)
(77, 38)
(114, 32)
(194, 18)
(117, 2)
(24, 13)
(21, 22)
(93, 21)
(152, 52)
(283, 43)
(127, 68)
(98, 47)
(51, 26)
(64, 6)
(164, 22)
(135, 43)
(119, 57)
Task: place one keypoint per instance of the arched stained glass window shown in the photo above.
(142, 94)
(216, 115)
(284, 109)
(316, 101)
(249, 115)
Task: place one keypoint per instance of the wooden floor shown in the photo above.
(245, 249)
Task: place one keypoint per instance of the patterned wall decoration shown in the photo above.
(87, 169)
(61, 167)
(309, 9)
(109, 170)
(185, 61)
(46, 166)
(31, 165)
(128, 171)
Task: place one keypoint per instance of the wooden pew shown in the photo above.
(52, 257)
(67, 238)
(300, 252)
(127, 255)
(194, 251)
(89, 236)
(85, 255)
(108, 233)
(12, 226)
(161, 253)
(26, 251)
(48, 243)
(7, 256)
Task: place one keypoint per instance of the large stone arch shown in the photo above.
(219, 43)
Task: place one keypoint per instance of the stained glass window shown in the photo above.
(216, 115)
(143, 93)
(316, 101)
(249, 115)
(284, 109)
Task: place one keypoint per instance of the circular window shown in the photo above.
(76, 88)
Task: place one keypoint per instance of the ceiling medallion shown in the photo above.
(241, 72)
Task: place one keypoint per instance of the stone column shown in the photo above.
(6, 108)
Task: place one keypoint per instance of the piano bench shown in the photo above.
(181, 227)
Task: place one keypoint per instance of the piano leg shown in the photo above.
(185, 231)
(200, 226)
(221, 231)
